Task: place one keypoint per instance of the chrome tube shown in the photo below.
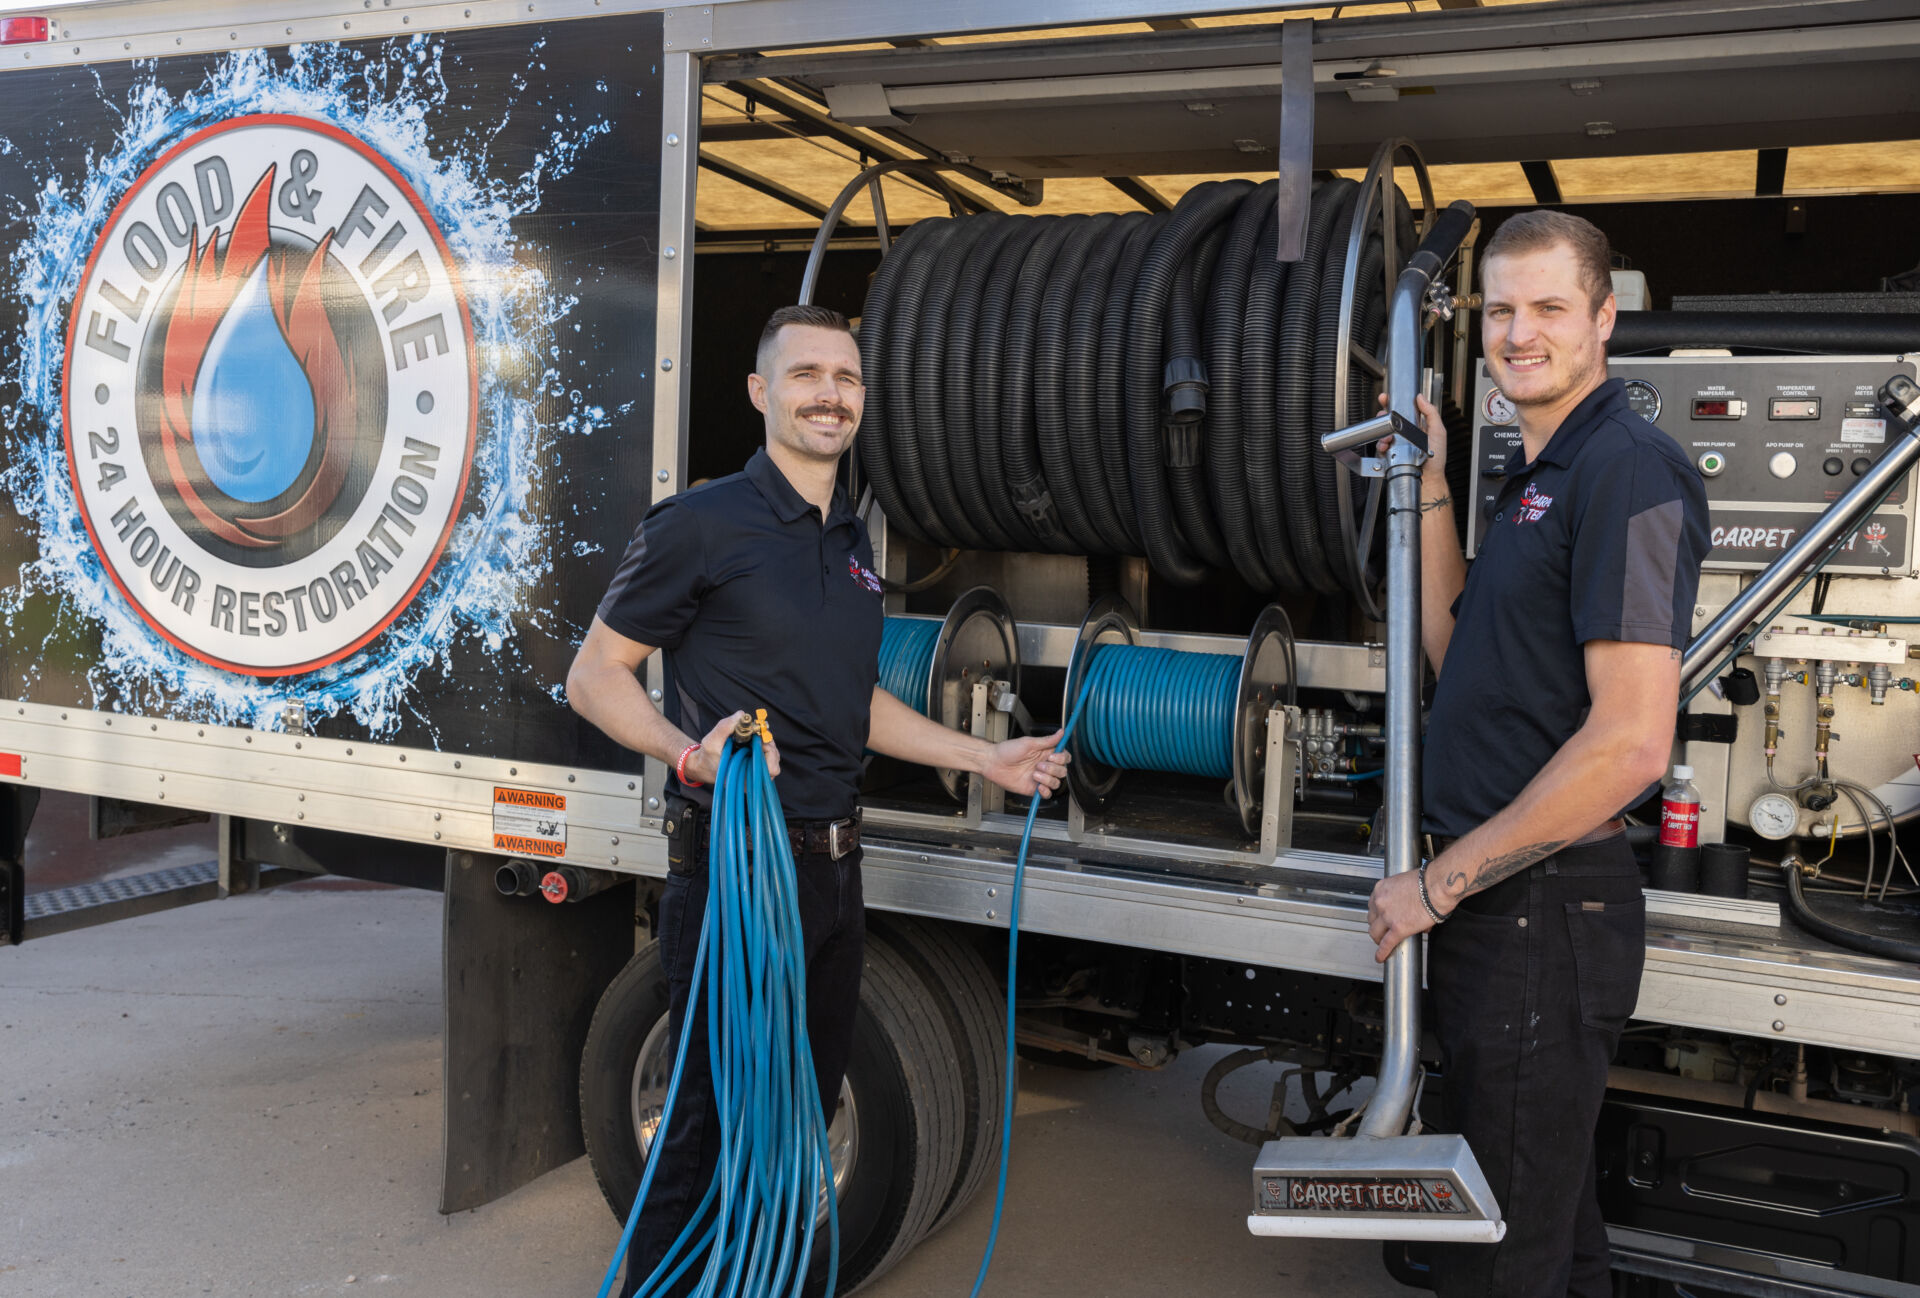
(1392, 1102)
(1902, 398)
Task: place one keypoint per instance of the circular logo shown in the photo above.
(270, 397)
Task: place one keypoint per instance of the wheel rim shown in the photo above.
(653, 1069)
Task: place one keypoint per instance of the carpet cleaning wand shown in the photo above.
(1383, 1183)
(753, 1233)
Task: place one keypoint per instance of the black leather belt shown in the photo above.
(1438, 843)
(688, 823)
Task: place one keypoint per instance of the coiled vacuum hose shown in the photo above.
(753, 1231)
(1150, 385)
(1889, 948)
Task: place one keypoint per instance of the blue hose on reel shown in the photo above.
(1161, 710)
(774, 1156)
(906, 658)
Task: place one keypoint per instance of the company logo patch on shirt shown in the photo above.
(1533, 505)
(864, 576)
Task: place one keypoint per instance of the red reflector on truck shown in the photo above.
(22, 31)
(10, 764)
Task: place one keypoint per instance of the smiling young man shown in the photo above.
(759, 588)
(1556, 713)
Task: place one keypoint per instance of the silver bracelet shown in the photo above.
(1427, 900)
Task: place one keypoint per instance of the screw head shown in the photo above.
(1778, 1026)
(666, 364)
(673, 140)
(669, 253)
(1780, 998)
(662, 475)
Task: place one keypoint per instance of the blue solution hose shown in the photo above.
(774, 1155)
(906, 656)
(1161, 710)
(1013, 959)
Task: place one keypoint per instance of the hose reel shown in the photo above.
(1192, 713)
(1141, 384)
(934, 667)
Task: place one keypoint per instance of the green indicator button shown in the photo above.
(1711, 463)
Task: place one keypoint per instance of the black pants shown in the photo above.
(1531, 982)
(833, 925)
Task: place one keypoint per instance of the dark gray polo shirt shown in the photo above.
(756, 603)
(1600, 538)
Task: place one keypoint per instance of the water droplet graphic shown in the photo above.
(252, 404)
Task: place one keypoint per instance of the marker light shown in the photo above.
(22, 31)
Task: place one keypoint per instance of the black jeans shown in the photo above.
(833, 926)
(1531, 983)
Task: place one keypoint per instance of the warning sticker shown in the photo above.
(529, 822)
(1863, 432)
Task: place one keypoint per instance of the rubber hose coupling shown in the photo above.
(1035, 504)
(1185, 385)
(1184, 446)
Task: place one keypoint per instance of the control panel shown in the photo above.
(1776, 440)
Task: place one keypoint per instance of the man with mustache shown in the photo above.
(1558, 662)
(759, 588)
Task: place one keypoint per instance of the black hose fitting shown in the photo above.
(1035, 504)
(1184, 381)
(1184, 449)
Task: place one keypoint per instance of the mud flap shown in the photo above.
(522, 978)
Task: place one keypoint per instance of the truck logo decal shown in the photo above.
(271, 394)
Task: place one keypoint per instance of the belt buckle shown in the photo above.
(834, 846)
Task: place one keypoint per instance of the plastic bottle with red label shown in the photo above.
(1676, 853)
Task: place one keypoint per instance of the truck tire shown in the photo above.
(975, 1009)
(897, 1132)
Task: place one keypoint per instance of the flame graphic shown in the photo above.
(214, 278)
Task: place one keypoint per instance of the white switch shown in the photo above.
(1781, 465)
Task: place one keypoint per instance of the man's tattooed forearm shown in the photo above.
(1496, 868)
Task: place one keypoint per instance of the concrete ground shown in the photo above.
(243, 1098)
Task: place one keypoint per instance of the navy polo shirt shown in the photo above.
(756, 603)
(1600, 538)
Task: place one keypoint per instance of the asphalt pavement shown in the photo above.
(243, 1098)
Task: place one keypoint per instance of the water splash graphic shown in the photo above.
(389, 94)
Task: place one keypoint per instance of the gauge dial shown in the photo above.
(1645, 399)
(1497, 408)
(1774, 816)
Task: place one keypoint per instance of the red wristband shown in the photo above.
(680, 768)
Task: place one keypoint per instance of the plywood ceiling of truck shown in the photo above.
(792, 157)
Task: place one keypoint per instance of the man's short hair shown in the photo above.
(1540, 230)
(810, 317)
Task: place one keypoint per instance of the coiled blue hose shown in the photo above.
(1161, 710)
(906, 656)
(746, 1235)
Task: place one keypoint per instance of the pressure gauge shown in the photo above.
(1497, 408)
(1645, 399)
(1774, 816)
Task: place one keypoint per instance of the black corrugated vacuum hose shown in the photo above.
(1121, 385)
